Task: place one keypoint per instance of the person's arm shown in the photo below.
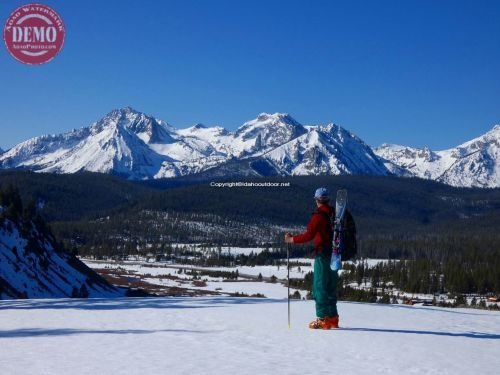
(310, 232)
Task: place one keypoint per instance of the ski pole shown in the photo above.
(288, 277)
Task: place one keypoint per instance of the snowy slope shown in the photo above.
(243, 336)
(252, 138)
(31, 267)
(474, 163)
(211, 138)
(264, 133)
(326, 149)
(417, 162)
(477, 162)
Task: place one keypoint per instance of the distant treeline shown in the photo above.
(468, 273)
(442, 230)
(379, 204)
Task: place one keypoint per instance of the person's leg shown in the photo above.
(320, 286)
(332, 292)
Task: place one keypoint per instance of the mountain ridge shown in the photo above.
(138, 146)
(473, 163)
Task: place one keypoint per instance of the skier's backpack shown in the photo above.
(348, 235)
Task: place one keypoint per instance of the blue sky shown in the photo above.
(418, 73)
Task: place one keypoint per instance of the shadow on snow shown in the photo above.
(472, 335)
(39, 332)
(446, 310)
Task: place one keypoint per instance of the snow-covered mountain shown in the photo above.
(32, 266)
(474, 163)
(326, 149)
(125, 142)
(137, 146)
(411, 161)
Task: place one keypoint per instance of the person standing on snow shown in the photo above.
(325, 279)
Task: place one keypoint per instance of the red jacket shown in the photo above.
(319, 229)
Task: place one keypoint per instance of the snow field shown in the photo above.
(244, 335)
(216, 284)
(162, 269)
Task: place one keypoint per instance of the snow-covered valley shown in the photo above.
(269, 281)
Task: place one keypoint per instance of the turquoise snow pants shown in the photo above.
(325, 287)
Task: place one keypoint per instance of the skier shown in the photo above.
(324, 280)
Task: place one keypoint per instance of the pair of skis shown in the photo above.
(338, 243)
